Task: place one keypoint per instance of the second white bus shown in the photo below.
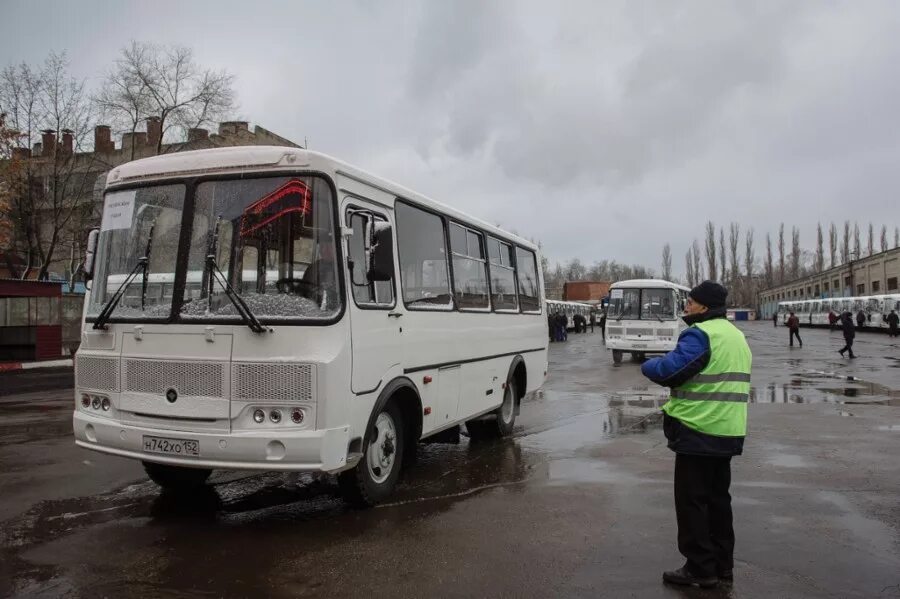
(644, 317)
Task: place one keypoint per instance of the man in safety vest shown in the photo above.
(705, 421)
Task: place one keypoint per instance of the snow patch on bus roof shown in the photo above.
(658, 283)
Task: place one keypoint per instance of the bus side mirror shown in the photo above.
(380, 251)
(93, 237)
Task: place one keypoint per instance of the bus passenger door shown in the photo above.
(375, 329)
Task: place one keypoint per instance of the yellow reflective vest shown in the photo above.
(714, 401)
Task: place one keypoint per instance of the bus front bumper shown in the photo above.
(314, 450)
(647, 346)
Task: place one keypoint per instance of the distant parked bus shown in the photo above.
(815, 312)
(644, 317)
(275, 309)
(570, 309)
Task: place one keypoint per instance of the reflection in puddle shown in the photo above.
(806, 388)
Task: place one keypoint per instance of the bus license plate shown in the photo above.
(639, 345)
(186, 447)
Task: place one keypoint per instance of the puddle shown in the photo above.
(889, 427)
(808, 388)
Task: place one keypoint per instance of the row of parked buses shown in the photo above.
(815, 312)
(570, 309)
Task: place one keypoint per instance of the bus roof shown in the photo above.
(647, 283)
(246, 159)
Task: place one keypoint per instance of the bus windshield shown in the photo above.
(273, 238)
(275, 243)
(641, 304)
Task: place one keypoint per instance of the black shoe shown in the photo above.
(682, 577)
(841, 352)
(726, 575)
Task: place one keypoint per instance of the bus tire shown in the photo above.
(373, 479)
(504, 418)
(175, 478)
(617, 356)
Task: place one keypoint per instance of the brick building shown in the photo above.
(86, 177)
(589, 292)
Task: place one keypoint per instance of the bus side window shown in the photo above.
(424, 269)
(529, 287)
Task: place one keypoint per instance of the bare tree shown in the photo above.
(47, 198)
(723, 261)
(884, 239)
(667, 262)
(689, 268)
(165, 82)
(749, 263)
(832, 244)
(795, 253)
(781, 271)
(819, 264)
(734, 240)
(897, 237)
(857, 248)
(769, 267)
(845, 244)
(870, 249)
(698, 272)
(711, 250)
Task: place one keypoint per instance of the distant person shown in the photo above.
(893, 321)
(793, 324)
(593, 319)
(849, 333)
(603, 325)
(832, 319)
(861, 320)
(775, 320)
(705, 422)
(579, 323)
(564, 325)
(551, 326)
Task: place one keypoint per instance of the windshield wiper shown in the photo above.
(214, 272)
(143, 264)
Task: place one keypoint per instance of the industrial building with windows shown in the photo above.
(871, 275)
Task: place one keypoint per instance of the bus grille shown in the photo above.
(97, 373)
(665, 332)
(197, 379)
(614, 330)
(272, 381)
(637, 331)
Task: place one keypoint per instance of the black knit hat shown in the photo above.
(710, 294)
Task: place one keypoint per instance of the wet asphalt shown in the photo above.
(577, 504)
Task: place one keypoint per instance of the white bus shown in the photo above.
(570, 309)
(644, 317)
(275, 309)
(815, 312)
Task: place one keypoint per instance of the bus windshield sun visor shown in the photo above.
(143, 264)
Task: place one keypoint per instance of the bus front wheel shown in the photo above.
(176, 478)
(373, 479)
(617, 356)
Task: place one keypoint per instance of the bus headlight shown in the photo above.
(85, 400)
(275, 416)
(259, 416)
(104, 403)
(297, 416)
(95, 402)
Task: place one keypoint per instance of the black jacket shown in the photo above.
(847, 325)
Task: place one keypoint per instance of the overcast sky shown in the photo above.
(602, 129)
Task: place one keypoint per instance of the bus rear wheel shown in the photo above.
(617, 356)
(501, 425)
(176, 478)
(374, 477)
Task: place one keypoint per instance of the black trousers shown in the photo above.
(703, 511)
(892, 331)
(796, 333)
(848, 345)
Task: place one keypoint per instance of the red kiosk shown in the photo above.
(30, 326)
